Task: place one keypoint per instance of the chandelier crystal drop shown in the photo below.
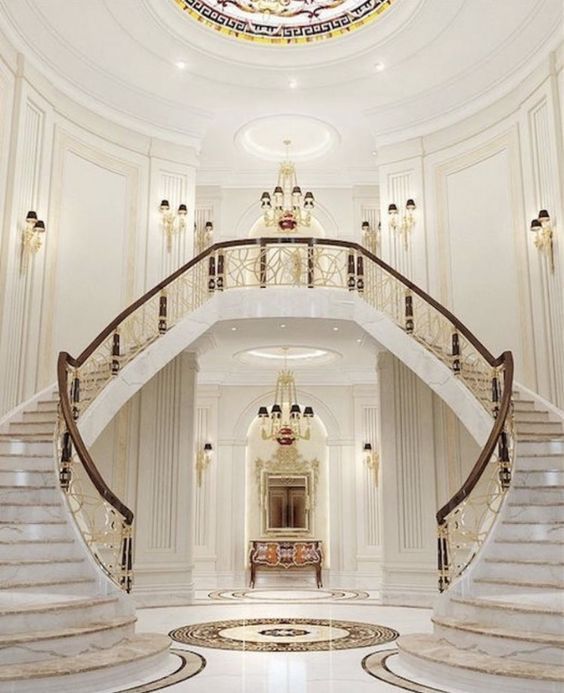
(287, 207)
(286, 422)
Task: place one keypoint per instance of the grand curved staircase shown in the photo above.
(66, 539)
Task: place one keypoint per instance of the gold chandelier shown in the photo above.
(287, 208)
(285, 422)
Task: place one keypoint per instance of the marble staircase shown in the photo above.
(59, 614)
(505, 616)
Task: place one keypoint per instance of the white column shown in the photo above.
(164, 534)
(408, 484)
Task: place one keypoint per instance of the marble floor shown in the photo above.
(338, 671)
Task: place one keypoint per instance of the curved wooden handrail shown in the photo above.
(505, 360)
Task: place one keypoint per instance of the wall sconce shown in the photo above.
(544, 233)
(203, 458)
(32, 236)
(372, 460)
(402, 224)
(370, 237)
(203, 238)
(172, 222)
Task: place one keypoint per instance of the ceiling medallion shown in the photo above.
(281, 22)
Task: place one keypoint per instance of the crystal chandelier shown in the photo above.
(285, 422)
(287, 208)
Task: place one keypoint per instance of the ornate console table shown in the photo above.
(286, 554)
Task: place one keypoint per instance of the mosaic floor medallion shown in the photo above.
(283, 635)
(281, 595)
(189, 664)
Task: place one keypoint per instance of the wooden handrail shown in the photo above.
(505, 360)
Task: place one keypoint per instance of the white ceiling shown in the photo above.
(224, 359)
(442, 59)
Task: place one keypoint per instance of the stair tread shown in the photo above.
(26, 487)
(29, 504)
(135, 648)
(32, 522)
(529, 541)
(5, 585)
(38, 603)
(531, 522)
(545, 638)
(526, 504)
(549, 584)
(7, 640)
(8, 542)
(432, 648)
(524, 561)
(41, 561)
(506, 605)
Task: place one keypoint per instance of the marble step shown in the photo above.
(516, 586)
(134, 658)
(44, 416)
(27, 462)
(540, 512)
(15, 446)
(534, 479)
(77, 585)
(25, 477)
(36, 428)
(535, 427)
(39, 570)
(521, 405)
(525, 568)
(538, 447)
(534, 550)
(29, 512)
(39, 549)
(531, 415)
(500, 642)
(26, 612)
(540, 463)
(32, 494)
(26, 530)
(42, 645)
(532, 612)
(6, 437)
(446, 661)
(51, 405)
(521, 530)
(537, 494)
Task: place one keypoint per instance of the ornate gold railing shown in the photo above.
(285, 262)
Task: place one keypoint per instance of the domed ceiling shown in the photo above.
(420, 65)
(282, 22)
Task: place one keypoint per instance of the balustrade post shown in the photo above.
(310, 264)
(360, 274)
(163, 313)
(263, 265)
(65, 473)
(211, 274)
(115, 353)
(496, 394)
(442, 557)
(219, 283)
(504, 461)
(351, 273)
(409, 313)
(126, 563)
(75, 397)
(455, 353)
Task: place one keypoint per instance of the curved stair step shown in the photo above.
(41, 645)
(494, 640)
(42, 569)
(134, 658)
(80, 585)
(448, 660)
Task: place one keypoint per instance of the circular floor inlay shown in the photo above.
(283, 635)
(294, 596)
(376, 664)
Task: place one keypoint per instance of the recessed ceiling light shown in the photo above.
(233, 329)
(292, 83)
(181, 65)
(283, 325)
(359, 340)
(335, 329)
(374, 153)
(379, 66)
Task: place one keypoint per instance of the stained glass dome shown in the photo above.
(284, 21)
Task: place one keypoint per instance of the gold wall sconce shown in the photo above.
(372, 460)
(370, 237)
(172, 222)
(402, 224)
(544, 236)
(32, 237)
(203, 459)
(203, 237)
